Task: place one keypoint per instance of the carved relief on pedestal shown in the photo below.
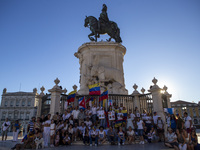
(102, 62)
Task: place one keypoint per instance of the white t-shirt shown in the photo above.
(75, 114)
(155, 118)
(120, 116)
(94, 110)
(171, 137)
(148, 119)
(139, 124)
(187, 122)
(5, 127)
(82, 129)
(66, 116)
(88, 123)
(132, 116)
(88, 113)
(130, 133)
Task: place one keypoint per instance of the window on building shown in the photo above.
(21, 116)
(17, 103)
(27, 116)
(29, 103)
(9, 116)
(11, 103)
(15, 116)
(4, 116)
(6, 103)
(23, 103)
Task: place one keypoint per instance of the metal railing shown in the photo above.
(146, 102)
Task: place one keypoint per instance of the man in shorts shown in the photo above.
(5, 127)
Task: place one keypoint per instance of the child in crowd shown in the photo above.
(121, 136)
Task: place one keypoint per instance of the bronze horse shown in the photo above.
(110, 28)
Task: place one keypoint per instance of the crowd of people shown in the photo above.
(96, 126)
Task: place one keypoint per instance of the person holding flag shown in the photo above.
(103, 97)
(81, 115)
(71, 97)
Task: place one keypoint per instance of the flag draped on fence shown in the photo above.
(94, 89)
(103, 97)
(81, 102)
(71, 97)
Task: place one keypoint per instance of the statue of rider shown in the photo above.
(103, 19)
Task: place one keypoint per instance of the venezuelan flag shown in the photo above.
(71, 96)
(94, 89)
(118, 123)
(103, 97)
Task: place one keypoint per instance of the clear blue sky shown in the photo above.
(38, 39)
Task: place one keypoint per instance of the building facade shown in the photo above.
(18, 106)
(193, 110)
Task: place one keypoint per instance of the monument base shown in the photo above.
(102, 62)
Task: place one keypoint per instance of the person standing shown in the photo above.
(16, 131)
(188, 122)
(5, 127)
(94, 114)
(140, 129)
(81, 116)
(47, 128)
(179, 122)
(75, 115)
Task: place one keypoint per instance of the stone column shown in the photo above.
(39, 107)
(168, 96)
(157, 99)
(136, 97)
(55, 98)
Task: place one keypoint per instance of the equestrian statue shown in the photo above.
(102, 26)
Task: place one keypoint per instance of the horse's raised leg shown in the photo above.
(91, 38)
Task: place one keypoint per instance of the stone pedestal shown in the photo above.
(102, 62)
(39, 107)
(55, 98)
(136, 97)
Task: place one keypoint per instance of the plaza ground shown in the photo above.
(79, 145)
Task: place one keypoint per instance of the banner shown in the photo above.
(101, 114)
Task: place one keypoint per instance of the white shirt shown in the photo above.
(155, 118)
(120, 116)
(148, 119)
(130, 133)
(75, 114)
(88, 113)
(94, 110)
(132, 116)
(66, 116)
(82, 129)
(88, 123)
(5, 127)
(187, 122)
(139, 124)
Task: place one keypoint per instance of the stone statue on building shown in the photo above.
(102, 26)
